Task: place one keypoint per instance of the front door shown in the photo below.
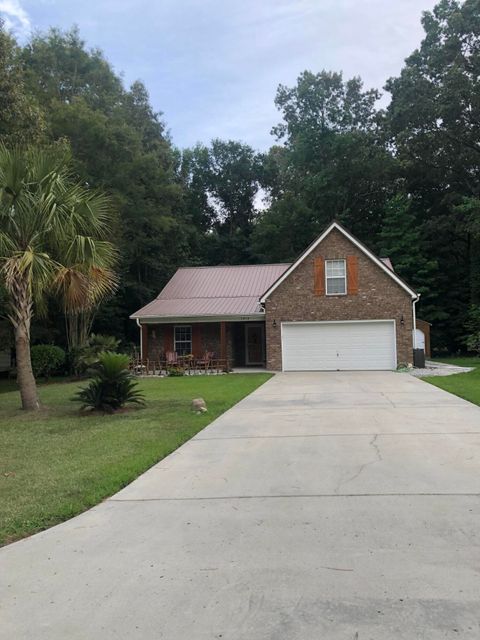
(254, 344)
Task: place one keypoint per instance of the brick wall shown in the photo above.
(210, 341)
(379, 297)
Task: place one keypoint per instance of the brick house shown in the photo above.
(338, 306)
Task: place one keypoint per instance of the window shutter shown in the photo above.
(319, 276)
(352, 275)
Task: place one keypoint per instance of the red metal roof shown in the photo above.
(213, 291)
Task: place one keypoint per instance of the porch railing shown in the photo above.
(182, 366)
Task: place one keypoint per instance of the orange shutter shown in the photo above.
(352, 275)
(319, 277)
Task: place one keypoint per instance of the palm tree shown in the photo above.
(52, 241)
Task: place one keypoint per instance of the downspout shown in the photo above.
(141, 341)
(415, 300)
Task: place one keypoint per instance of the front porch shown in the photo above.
(202, 346)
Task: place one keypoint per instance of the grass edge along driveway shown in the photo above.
(464, 385)
(56, 463)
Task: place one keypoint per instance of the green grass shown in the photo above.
(464, 385)
(57, 462)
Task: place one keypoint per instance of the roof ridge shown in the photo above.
(206, 297)
(231, 266)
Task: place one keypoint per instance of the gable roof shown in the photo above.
(236, 290)
(213, 291)
(383, 264)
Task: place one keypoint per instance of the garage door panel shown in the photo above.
(317, 346)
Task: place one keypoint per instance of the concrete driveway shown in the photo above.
(323, 506)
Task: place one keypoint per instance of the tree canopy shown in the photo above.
(404, 179)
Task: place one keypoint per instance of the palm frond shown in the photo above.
(103, 283)
(53, 230)
(7, 246)
(90, 251)
(36, 268)
(73, 288)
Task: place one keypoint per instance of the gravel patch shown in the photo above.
(439, 369)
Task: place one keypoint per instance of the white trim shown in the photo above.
(343, 322)
(338, 321)
(248, 326)
(356, 242)
(182, 325)
(252, 317)
(337, 277)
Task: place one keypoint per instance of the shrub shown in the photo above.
(472, 339)
(175, 372)
(112, 385)
(47, 359)
(83, 358)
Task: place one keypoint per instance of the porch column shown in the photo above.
(144, 342)
(197, 330)
(223, 341)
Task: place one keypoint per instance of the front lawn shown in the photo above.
(56, 463)
(465, 385)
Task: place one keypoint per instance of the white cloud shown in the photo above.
(15, 16)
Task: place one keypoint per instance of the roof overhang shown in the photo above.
(357, 243)
(252, 317)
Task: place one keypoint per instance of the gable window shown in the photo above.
(336, 277)
(183, 339)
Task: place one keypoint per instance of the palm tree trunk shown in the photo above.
(25, 378)
(21, 318)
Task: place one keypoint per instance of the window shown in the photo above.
(336, 277)
(183, 339)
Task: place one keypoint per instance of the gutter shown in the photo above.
(141, 340)
(414, 302)
(250, 317)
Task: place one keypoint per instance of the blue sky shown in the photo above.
(213, 66)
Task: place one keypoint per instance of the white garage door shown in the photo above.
(337, 346)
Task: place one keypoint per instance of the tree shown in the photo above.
(52, 240)
(333, 163)
(283, 230)
(472, 326)
(119, 144)
(434, 124)
(21, 119)
(434, 114)
(59, 68)
(222, 182)
(323, 102)
(400, 239)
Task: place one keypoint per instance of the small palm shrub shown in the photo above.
(112, 385)
(83, 358)
(47, 359)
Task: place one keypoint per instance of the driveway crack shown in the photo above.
(388, 399)
(362, 467)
